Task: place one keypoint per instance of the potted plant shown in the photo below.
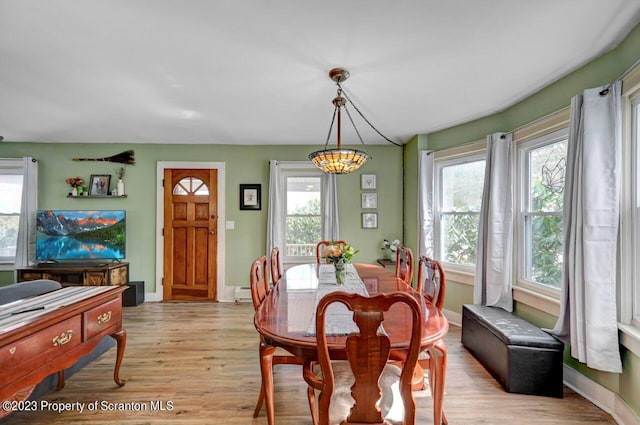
(74, 182)
(120, 186)
(390, 248)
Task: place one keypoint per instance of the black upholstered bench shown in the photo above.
(522, 357)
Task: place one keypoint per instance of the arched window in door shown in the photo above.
(190, 186)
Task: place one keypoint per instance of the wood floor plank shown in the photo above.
(203, 358)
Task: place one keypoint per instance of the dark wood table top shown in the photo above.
(284, 317)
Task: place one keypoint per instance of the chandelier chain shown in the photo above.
(354, 127)
(363, 117)
(333, 119)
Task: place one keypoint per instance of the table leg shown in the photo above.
(437, 375)
(266, 369)
(121, 339)
(60, 384)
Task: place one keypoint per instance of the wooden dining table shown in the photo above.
(284, 318)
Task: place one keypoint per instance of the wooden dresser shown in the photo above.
(48, 333)
(86, 275)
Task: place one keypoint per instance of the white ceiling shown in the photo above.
(255, 71)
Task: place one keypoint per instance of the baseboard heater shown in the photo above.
(243, 294)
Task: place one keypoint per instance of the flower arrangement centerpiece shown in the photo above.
(74, 182)
(339, 254)
(390, 248)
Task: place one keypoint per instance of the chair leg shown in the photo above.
(437, 374)
(311, 395)
(259, 403)
(266, 356)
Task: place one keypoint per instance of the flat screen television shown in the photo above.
(96, 236)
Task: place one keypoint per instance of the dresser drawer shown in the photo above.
(40, 347)
(102, 318)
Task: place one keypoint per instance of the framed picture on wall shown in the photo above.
(368, 181)
(99, 184)
(369, 220)
(250, 197)
(369, 200)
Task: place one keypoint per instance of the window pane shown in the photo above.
(462, 186)
(302, 235)
(11, 190)
(190, 185)
(547, 167)
(636, 209)
(544, 254)
(303, 220)
(459, 237)
(303, 195)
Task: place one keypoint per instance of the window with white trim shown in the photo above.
(635, 202)
(541, 177)
(303, 214)
(458, 194)
(11, 178)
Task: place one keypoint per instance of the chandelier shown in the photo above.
(340, 160)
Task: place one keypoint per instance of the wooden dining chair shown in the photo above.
(259, 281)
(260, 288)
(404, 264)
(276, 266)
(353, 388)
(431, 284)
(320, 246)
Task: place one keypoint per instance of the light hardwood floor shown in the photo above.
(202, 357)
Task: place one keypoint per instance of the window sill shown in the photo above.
(537, 300)
(459, 276)
(531, 298)
(630, 337)
(7, 267)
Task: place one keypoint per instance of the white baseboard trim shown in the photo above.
(453, 317)
(243, 294)
(153, 297)
(602, 397)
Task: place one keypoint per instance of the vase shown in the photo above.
(74, 191)
(120, 187)
(340, 273)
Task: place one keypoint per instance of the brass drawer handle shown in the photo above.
(62, 339)
(104, 318)
(12, 350)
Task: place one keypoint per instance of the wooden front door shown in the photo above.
(190, 239)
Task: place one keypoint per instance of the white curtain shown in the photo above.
(26, 244)
(494, 256)
(275, 230)
(588, 316)
(331, 228)
(275, 224)
(425, 203)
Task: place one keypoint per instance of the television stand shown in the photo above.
(89, 274)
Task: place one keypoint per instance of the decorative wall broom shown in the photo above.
(125, 157)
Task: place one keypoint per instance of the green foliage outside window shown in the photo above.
(8, 234)
(304, 225)
(546, 238)
(460, 238)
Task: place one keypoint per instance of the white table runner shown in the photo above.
(339, 320)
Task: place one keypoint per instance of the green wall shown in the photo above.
(244, 164)
(556, 96)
